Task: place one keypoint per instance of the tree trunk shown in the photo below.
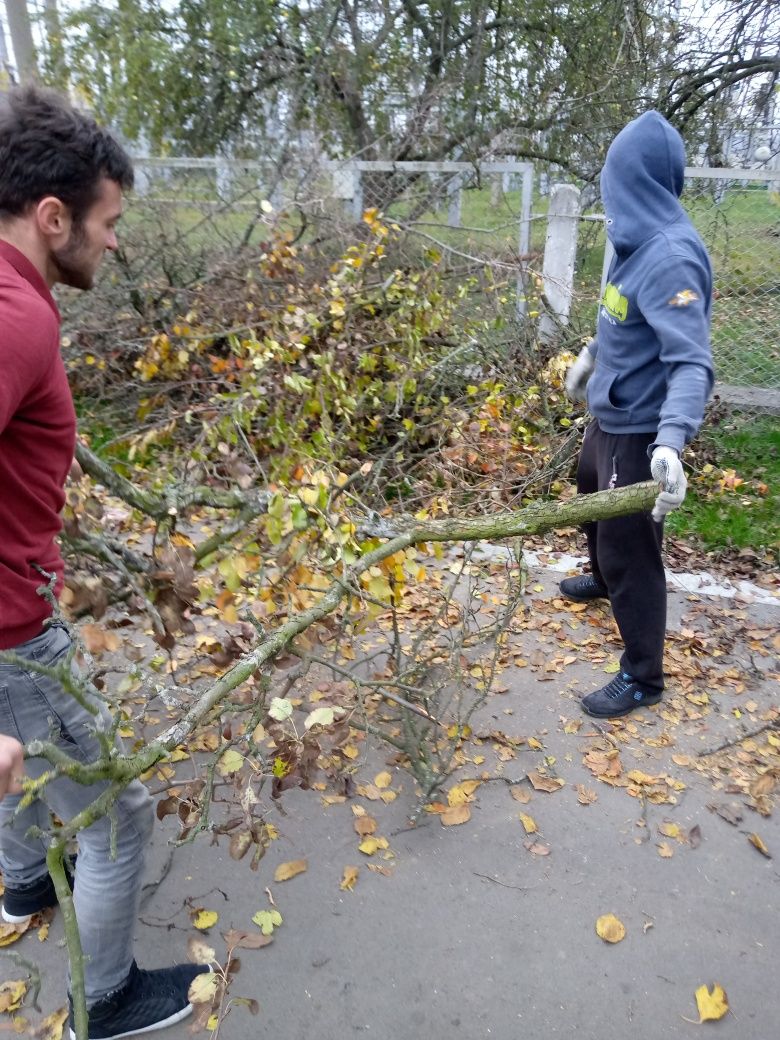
(22, 40)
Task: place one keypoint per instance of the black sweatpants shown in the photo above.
(625, 553)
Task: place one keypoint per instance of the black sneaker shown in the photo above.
(583, 588)
(22, 901)
(146, 1001)
(617, 698)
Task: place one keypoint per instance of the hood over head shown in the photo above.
(642, 181)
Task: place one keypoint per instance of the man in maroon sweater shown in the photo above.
(61, 183)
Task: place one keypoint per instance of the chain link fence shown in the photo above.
(193, 220)
(737, 213)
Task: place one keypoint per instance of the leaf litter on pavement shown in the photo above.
(714, 723)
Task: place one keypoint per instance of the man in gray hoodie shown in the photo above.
(647, 376)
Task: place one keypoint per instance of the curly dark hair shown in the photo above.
(47, 147)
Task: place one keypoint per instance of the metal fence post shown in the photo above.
(560, 250)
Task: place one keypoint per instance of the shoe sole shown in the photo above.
(170, 1021)
(583, 599)
(646, 703)
(13, 919)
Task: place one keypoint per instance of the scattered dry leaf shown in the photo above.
(712, 1006)
(585, 796)
(204, 919)
(52, 1026)
(672, 830)
(349, 880)
(203, 988)
(285, 871)
(12, 993)
(236, 939)
(199, 952)
(529, 823)
(370, 845)
(758, 843)
(365, 825)
(540, 782)
(610, 928)
(455, 815)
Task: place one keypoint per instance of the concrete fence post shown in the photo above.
(348, 186)
(560, 250)
(454, 195)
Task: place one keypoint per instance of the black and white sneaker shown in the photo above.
(20, 902)
(147, 1000)
(617, 698)
(583, 588)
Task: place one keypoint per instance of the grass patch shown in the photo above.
(734, 497)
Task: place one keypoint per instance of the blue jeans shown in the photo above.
(107, 890)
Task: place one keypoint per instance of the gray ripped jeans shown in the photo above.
(106, 890)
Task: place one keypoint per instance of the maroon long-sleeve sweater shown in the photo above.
(37, 440)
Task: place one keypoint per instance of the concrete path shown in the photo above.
(470, 933)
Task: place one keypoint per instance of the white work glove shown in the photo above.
(578, 375)
(667, 469)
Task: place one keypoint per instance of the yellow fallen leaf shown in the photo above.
(535, 744)
(757, 843)
(712, 1006)
(52, 1026)
(43, 932)
(179, 755)
(350, 751)
(349, 880)
(455, 815)
(12, 993)
(672, 830)
(203, 988)
(285, 871)
(665, 850)
(370, 845)
(636, 776)
(388, 796)
(610, 928)
(10, 933)
(213, 1020)
(267, 920)
(204, 919)
(529, 823)
(230, 762)
(382, 780)
(462, 793)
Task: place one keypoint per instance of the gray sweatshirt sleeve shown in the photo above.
(675, 302)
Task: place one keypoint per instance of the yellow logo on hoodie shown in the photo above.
(614, 304)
